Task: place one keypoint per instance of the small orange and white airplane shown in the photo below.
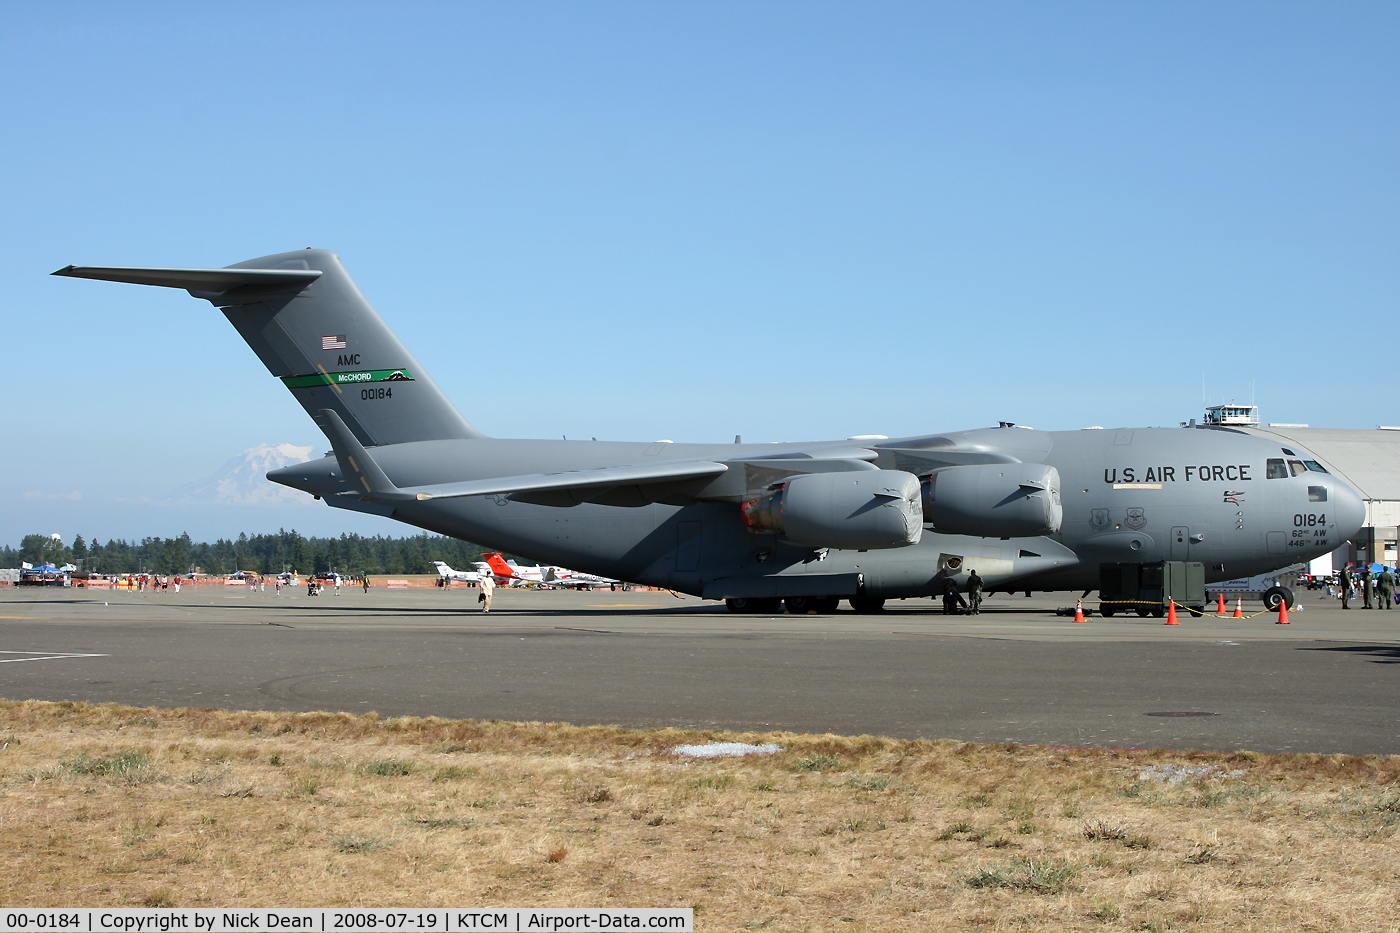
(511, 573)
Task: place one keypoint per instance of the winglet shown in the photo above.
(355, 462)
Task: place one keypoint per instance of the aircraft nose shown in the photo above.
(1348, 509)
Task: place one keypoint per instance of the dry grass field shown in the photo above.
(115, 806)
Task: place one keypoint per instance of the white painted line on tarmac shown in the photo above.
(41, 656)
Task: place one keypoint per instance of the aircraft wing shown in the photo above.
(358, 466)
(632, 474)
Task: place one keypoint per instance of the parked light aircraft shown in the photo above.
(458, 576)
(511, 573)
(864, 519)
(554, 577)
(574, 580)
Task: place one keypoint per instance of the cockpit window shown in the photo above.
(1277, 468)
(1317, 493)
(1287, 451)
(1297, 467)
(1315, 466)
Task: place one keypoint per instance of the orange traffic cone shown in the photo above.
(1171, 613)
(1239, 608)
(1079, 610)
(1220, 605)
(1282, 612)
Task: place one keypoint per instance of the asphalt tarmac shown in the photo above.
(1328, 682)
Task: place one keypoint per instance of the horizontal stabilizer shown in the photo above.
(198, 280)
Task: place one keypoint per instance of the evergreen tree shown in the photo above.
(265, 553)
(43, 549)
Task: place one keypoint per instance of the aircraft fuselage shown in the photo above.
(1140, 495)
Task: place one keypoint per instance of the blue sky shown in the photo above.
(691, 221)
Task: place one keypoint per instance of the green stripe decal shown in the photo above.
(352, 378)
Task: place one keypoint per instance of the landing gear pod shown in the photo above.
(862, 509)
(994, 500)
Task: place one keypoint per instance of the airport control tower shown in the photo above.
(1243, 416)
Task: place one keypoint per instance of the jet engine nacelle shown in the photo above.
(994, 500)
(850, 510)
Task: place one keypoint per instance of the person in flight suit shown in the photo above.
(1385, 587)
(1367, 590)
(1346, 587)
(974, 592)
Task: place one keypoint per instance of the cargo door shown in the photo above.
(1180, 542)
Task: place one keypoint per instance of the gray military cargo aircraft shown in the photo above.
(863, 519)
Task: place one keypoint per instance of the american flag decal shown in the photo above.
(334, 342)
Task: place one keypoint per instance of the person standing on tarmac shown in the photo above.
(1385, 588)
(488, 586)
(974, 593)
(1367, 590)
(1346, 587)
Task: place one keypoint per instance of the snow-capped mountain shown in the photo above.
(243, 480)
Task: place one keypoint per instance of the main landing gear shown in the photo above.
(797, 605)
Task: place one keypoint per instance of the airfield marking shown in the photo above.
(40, 656)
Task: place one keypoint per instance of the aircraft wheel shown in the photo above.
(753, 606)
(800, 605)
(827, 604)
(866, 605)
(1158, 612)
(1277, 594)
(1107, 611)
(1144, 611)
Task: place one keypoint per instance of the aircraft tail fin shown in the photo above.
(304, 317)
(498, 565)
